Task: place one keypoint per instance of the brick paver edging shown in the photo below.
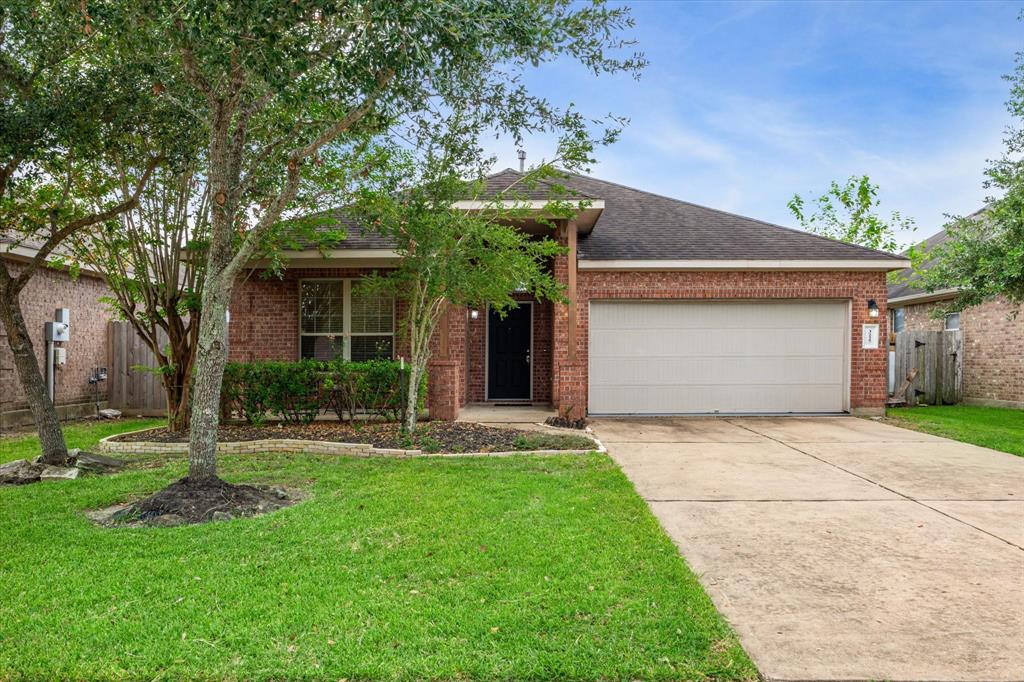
(112, 447)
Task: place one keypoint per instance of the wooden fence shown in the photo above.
(938, 357)
(130, 389)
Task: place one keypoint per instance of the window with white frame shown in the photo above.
(341, 318)
(952, 321)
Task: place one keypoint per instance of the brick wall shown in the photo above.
(993, 349)
(868, 367)
(48, 290)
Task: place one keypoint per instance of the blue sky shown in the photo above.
(744, 104)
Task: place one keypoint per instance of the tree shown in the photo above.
(68, 107)
(983, 256)
(454, 257)
(281, 84)
(152, 260)
(850, 213)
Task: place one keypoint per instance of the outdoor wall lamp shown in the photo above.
(474, 313)
(872, 308)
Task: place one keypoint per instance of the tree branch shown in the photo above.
(59, 236)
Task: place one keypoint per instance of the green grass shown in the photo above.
(523, 567)
(998, 428)
(84, 435)
(538, 440)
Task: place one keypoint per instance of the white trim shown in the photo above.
(487, 353)
(530, 204)
(923, 297)
(808, 265)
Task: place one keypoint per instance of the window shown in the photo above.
(899, 319)
(952, 321)
(338, 318)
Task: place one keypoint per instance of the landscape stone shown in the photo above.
(222, 516)
(109, 514)
(167, 520)
(97, 463)
(109, 413)
(52, 473)
(19, 472)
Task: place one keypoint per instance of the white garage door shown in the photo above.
(751, 357)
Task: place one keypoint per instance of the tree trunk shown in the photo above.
(176, 387)
(51, 438)
(211, 356)
(412, 396)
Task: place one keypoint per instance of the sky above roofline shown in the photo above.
(744, 104)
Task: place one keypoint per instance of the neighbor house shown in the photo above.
(993, 336)
(49, 289)
(673, 308)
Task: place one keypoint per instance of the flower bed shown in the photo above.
(330, 437)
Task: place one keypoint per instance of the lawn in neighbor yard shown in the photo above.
(82, 434)
(999, 428)
(525, 567)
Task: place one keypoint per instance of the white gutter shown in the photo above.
(923, 297)
(883, 265)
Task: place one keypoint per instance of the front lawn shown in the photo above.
(467, 568)
(998, 428)
(84, 434)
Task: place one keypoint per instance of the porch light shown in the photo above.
(474, 313)
(872, 308)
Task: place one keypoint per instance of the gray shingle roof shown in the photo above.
(909, 283)
(639, 225)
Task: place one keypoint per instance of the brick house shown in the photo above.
(48, 290)
(673, 308)
(993, 362)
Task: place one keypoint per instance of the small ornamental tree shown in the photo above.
(452, 256)
(850, 213)
(279, 85)
(984, 254)
(69, 110)
(152, 260)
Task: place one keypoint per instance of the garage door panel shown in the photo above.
(666, 343)
(677, 357)
(724, 370)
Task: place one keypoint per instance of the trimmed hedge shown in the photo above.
(299, 391)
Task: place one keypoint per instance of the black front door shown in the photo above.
(508, 354)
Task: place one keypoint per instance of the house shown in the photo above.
(993, 337)
(673, 308)
(48, 290)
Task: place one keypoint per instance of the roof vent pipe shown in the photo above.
(522, 159)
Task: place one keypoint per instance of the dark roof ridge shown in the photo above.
(737, 215)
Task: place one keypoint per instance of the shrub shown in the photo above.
(371, 387)
(299, 391)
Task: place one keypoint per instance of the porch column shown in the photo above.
(446, 371)
(568, 375)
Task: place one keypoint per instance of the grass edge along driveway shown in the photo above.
(998, 428)
(514, 568)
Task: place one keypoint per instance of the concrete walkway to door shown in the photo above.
(842, 548)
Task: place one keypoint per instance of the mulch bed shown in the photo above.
(431, 436)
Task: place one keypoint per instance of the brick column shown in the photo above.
(446, 370)
(568, 366)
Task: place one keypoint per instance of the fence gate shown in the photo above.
(938, 357)
(130, 389)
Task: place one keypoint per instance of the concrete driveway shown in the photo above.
(842, 548)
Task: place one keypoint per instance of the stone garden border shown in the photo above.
(291, 445)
